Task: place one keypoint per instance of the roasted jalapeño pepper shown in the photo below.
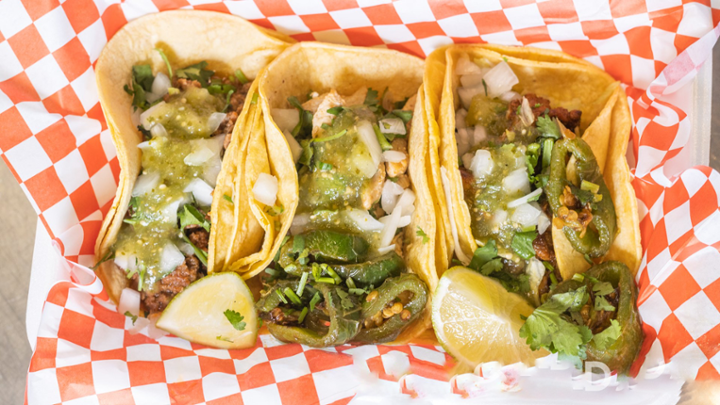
(619, 355)
(322, 245)
(383, 318)
(585, 211)
(334, 320)
(372, 272)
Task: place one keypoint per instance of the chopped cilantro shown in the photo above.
(335, 110)
(190, 215)
(345, 300)
(371, 98)
(228, 198)
(241, 76)
(331, 137)
(547, 127)
(167, 62)
(522, 244)
(235, 319)
(603, 288)
(110, 255)
(404, 115)
(483, 255)
(298, 244)
(324, 167)
(304, 125)
(307, 152)
(601, 304)
(197, 72)
(131, 316)
(384, 144)
(607, 337)
(485, 87)
(423, 235)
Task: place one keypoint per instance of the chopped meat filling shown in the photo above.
(541, 106)
(198, 236)
(171, 285)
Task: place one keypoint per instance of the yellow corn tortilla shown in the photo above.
(323, 67)
(565, 81)
(227, 43)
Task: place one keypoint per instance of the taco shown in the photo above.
(342, 182)
(174, 94)
(531, 174)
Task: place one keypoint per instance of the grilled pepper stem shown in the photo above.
(595, 242)
(620, 356)
(388, 292)
(343, 324)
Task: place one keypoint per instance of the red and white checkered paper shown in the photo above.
(55, 140)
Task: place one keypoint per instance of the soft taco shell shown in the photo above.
(567, 82)
(227, 43)
(322, 67)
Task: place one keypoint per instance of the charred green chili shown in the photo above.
(334, 322)
(594, 241)
(373, 271)
(618, 356)
(390, 292)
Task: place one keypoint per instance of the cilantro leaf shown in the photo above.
(404, 115)
(304, 125)
(197, 72)
(167, 62)
(603, 288)
(522, 244)
(483, 255)
(545, 328)
(298, 244)
(307, 152)
(601, 304)
(345, 300)
(607, 337)
(235, 319)
(190, 215)
(492, 266)
(547, 127)
(131, 316)
(423, 235)
(371, 98)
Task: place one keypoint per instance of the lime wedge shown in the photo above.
(208, 312)
(476, 320)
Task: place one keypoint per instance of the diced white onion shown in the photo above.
(460, 116)
(466, 67)
(129, 301)
(169, 212)
(386, 249)
(212, 170)
(159, 88)
(148, 113)
(285, 118)
(367, 135)
(392, 126)
(535, 271)
(139, 324)
(299, 223)
(463, 141)
(526, 215)
(543, 223)
(126, 262)
(364, 220)
(479, 134)
(500, 79)
(144, 145)
(158, 130)
(216, 143)
(215, 120)
(482, 163)
(467, 93)
(524, 199)
(186, 248)
(453, 227)
(145, 183)
(517, 181)
(295, 147)
(467, 160)
(471, 80)
(526, 114)
(404, 221)
(170, 258)
(509, 96)
(201, 191)
(406, 202)
(391, 223)
(499, 217)
(390, 194)
(265, 189)
(394, 156)
(199, 156)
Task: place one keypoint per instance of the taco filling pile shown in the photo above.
(187, 121)
(340, 274)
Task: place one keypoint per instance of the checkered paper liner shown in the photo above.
(55, 140)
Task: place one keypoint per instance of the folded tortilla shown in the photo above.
(323, 67)
(227, 43)
(567, 82)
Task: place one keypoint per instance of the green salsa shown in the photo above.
(160, 190)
